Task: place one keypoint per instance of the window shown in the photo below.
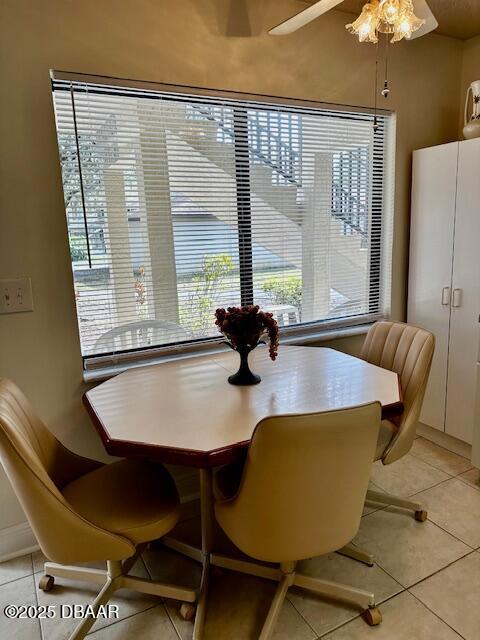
(178, 203)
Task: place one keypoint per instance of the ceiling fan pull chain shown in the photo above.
(375, 117)
(386, 88)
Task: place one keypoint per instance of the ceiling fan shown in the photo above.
(402, 18)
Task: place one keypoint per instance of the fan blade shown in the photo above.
(422, 10)
(304, 17)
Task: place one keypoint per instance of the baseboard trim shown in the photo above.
(17, 541)
(444, 440)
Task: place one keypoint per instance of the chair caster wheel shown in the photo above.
(421, 515)
(187, 611)
(372, 616)
(46, 583)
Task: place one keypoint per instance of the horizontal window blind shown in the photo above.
(180, 203)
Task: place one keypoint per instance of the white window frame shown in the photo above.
(102, 366)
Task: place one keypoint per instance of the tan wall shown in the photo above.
(470, 72)
(182, 42)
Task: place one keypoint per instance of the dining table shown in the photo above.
(185, 412)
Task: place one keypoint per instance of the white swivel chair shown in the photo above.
(81, 510)
(301, 494)
(139, 334)
(408, 351)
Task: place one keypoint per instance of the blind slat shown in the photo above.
(177, 204)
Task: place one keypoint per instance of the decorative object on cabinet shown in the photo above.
(472, 124)
(444, 280)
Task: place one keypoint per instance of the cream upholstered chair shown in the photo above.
(408, 351)
(301, 494)
(81, 510)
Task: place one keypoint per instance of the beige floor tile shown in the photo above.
(183, 628)
(38, 560)
(406, 476)
(370, 507)
(68, 592)
(406, 549)
(324, 615)
(439, 457)
(237, 607)
(168, 566)
(404, 618)
(153, 624)
(20, 592)
(455, 507)
(471, 477)
(454, 595)
(16, 568)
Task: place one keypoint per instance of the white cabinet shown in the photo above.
(444, 281)
(431, 254)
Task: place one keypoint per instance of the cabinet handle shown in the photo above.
(457, 298)
(446, 296)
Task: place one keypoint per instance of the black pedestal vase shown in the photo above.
(244, 376)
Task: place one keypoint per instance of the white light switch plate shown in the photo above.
(16, 295)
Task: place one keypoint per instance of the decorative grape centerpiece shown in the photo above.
(244, 328)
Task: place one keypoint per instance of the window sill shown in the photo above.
(312, 338)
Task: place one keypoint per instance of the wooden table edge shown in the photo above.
(191, 457)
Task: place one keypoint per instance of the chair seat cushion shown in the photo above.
(134, 498)
(387, 431)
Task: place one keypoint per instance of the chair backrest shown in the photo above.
(408, 351)
(38, 466)
(303, 485)
(144, 333)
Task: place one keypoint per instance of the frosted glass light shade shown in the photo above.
(395, 17)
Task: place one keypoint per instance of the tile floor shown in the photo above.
(426, 577)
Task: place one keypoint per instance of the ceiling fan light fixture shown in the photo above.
(365, 26)
(389, 11)
(395, 17)
(408, 22)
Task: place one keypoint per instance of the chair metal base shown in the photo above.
(287, 576)
(385, 499)
(388, 499)
(361, 555)
(115, 577)
(208, 558)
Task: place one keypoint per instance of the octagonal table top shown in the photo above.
(185, 411)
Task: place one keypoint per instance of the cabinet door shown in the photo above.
(431, 255)
(464, 327)
(476, 424)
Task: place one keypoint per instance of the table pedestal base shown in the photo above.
(207, 519)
